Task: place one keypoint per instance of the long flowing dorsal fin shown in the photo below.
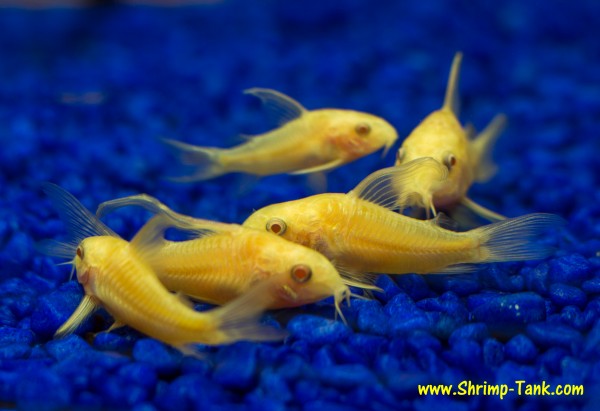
(451, 100)
(402, 186)
(284, 108)
(80, 223)
(153, 231)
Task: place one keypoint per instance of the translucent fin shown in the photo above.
(511, 239)
(481, 210)
(172, 219)
(204, 158)
(323, 167)
(445, 222)
(284, 108)
(116, 325)
(238, 319)
(86, 307)
(317, 182)
(407, 185)
(451, 100)
(482, 146)
(79, 221)
(457, 269)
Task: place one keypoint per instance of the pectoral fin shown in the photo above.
(284, 108)
(86, 307)
(482, 146)
(481, 210)
(322, 167)
(407, 185)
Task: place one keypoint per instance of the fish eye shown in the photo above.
(301, 273)
(79, 252)
(450, 161)
(400, 154)
(362, 129)
(276, 226)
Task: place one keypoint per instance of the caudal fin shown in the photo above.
(514, 239)
(205, 159)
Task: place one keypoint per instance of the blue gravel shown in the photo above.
(86, 94)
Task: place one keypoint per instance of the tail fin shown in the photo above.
(451, 100)
(79, 221)
(511, 240)
(204, 158)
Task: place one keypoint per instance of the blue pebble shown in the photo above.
(43, 390)
(570, 269)
(112, 341)
(405, 316)
(389, 287)
(189, 392)
(14, 351)
(413, 285)
(236, 366)
(371, 318)
(552, 359)
(447, 303)
(138, 373)
(53, 309)
(591, 345)
(520, 349)
(347, 376)
(549, 335)
(307, 390)
(7, 318)
(472, 331)
(324, 357)
(519, 308)
(274, 387)
(591, 286)
(9, 335)
(318, 330)
(369, 346)
(493, 352)
(563, 294)
(536, 278)
(72, 345)
(164, 359)
(420, 340)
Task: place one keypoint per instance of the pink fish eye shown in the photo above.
(276, 226)
(79, 252)
(362, 129)
(450, 161)
(301, 273)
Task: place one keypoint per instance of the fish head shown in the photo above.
(298, 221)
(92, 256)
(441, 138)
(356, 134)
(303, 276)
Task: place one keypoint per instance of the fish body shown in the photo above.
(361, 235)
(441, 137)
(115, 275)
(307, 141)
(224, 261)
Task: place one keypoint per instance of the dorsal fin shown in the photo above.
(402, 186)
(79, 221)
(284, 108)
(451, 101)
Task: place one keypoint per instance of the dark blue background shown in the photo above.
(86, 94)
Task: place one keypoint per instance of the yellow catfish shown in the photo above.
(223, 261)
(467, 160)
(361, 234)
(307, 141)
(115, 275)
